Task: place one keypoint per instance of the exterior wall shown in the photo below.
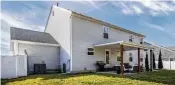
(84, 35)
(13, 66)
(59, 26)
(40, 54)
(165, 53)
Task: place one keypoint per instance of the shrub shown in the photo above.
(154, 64)
(160, 64)
(146, 62)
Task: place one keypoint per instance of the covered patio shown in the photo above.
(127, 46)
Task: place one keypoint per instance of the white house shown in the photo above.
(79, 41)
(84, 40)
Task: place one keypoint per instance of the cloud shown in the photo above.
(25, 18)
(138, 7)
(158, 7)
(168, 29)
(157, 27)
(128, 8)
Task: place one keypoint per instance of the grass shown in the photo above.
(163, 77)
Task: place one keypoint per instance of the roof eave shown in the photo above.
(34, 43)
(106, 24)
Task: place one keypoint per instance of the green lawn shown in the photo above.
(149, 78)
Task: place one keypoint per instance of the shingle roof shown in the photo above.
(29, 35)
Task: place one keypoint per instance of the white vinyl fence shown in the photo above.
(167, 65)
(13, 66)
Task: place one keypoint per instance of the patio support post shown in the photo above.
(121, 55)
(138, 60)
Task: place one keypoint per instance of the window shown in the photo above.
(105, 32)
(107, 57)
(118, 56)
(165, 59)
(90, 51)
(141, 40)
(145, 49)
(131, 38)
(130, 57)
(171, 59)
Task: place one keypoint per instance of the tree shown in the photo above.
(160, 64)
(154, 63)
(146, 62)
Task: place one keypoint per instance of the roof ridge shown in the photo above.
(28, 29)
(103, 22)
(161, 46)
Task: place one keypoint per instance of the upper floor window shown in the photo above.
(105, 32)
(141, 40)
(131, 38)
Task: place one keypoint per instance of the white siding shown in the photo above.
(59, 27)
(13, 66)
(39, 54)
(84, 35)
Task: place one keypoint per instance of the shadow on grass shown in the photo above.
(162, 76)
(165, 77)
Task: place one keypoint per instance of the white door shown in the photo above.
(107, 56)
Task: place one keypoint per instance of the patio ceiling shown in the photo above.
(126, 45)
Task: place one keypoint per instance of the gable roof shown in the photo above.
(162, 47)
(97, 21)
(32, 36)
(105, 23)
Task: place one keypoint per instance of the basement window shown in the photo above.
(90, 51)
(105, 32)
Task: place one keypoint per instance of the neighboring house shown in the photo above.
(167, 54)
(82, 42)
(172, 48)
(40, 47)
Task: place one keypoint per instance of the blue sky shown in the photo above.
(156, 20)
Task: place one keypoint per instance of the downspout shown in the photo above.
(25, 51)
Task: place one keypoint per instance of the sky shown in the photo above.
(154, 19)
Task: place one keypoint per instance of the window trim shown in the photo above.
(90, 51)
(109, 55)
(131, 38)
(130, 57)
(141, 40)
(105, 32)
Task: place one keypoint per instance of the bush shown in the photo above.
(146, 62)
(154, 64)
(160, 64)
